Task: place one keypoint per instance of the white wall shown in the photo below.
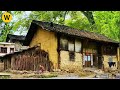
(8, 48)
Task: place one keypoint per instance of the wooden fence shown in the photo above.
(29, 59)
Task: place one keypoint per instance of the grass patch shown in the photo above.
(48, 75)
(5, 77)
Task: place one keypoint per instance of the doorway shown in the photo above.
(95, 60)
(88, 59)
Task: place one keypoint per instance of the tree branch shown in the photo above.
(89, 16)
(65, 15)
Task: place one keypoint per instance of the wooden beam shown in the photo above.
(118, 54)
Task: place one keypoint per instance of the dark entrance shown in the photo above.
(95, 60)
(99, 56)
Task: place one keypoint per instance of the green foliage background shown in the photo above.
(103, 22)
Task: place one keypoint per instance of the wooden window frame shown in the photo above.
(108, 51)
(69, 40)
(3, 51)
(80, 48)
(13, 50)
(72, 56)
(61, 47)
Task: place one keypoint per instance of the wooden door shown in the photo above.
(87, 61)
(95, 61)
(100, 62)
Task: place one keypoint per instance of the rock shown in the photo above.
(105, 76)
(97, 76)
(117, 76)
(99, 71)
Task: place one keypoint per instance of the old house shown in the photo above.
(18, 40)
(69, 47)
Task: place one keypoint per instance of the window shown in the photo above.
(71, 56)
(63, 44)
(77, 46)
(11, 50)
(109, 50)
(3, 49)
(71, 45)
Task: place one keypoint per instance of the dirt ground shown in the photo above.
(83, 74)
(13, 74)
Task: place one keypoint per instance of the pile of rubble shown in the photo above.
(115, 74)
(106, 74)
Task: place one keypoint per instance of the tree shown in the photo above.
(103, 22)
(5, 28)
(89, 16)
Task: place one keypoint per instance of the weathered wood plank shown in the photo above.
(28, 60)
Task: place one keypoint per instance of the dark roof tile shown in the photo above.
(16, 37)
(66, 30)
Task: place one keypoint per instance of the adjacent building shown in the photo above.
(17, 39)
(6, 48)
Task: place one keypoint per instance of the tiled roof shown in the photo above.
(65, 30)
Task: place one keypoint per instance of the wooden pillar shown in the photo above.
(83, 59)
(102, 50)
(118, 58)
(91, 59)
(7, 63)
(118, 54)
(58, 50)
(4, 64)
(11, 62)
